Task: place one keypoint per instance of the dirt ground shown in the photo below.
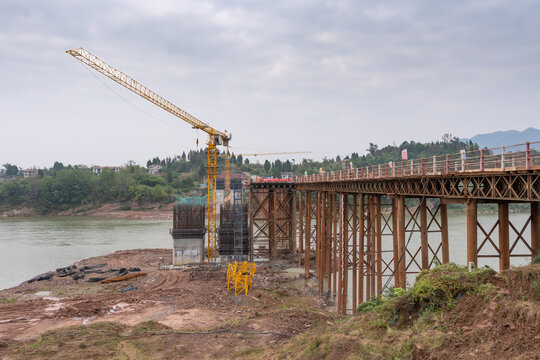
(176, 314)
(219, 323)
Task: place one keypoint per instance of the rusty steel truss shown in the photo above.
(378, 226)
(272, 219)
(522, 186)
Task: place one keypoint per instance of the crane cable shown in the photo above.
(127, 101)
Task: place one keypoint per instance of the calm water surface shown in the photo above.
(34, 245)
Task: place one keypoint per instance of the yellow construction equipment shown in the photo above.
(240, 275)
(215, 137)
(227, 156)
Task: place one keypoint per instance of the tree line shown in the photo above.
(63, 187)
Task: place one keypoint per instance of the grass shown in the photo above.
(255, 352)
(397, 324)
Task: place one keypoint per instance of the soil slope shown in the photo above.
(174, 314)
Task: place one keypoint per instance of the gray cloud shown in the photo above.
(329, 76)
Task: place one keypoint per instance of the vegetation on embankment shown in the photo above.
(449, 313)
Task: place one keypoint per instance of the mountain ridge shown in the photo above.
(507, 137)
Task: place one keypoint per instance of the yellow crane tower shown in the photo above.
(227, 156)
(215, 137)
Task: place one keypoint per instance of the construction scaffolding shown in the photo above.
(233, 239)
(188, 232)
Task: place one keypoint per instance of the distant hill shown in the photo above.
(501, 138)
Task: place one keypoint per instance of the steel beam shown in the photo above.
(307, 245)
(354, 251)
(361, 245)
(444, 234)
(535, 229)
(401, 241)
(378, 229)
(424, 234)
(472, 233)
(504, 237)
(300, 228)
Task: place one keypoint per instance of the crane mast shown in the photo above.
(215, 137)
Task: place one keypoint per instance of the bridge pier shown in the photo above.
(401, 266)
(307, 246)
(361, 243)
(504, 237)
(361, 247)
(535, 229)
(472, 233)
(272, 219)
(300, 228)
(444, 233)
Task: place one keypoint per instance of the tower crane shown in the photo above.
(215, 137)
(227, 156)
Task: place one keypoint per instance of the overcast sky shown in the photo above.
(326, 76)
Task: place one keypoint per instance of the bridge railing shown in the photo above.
(521, 156)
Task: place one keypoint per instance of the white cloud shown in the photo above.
(313, 67)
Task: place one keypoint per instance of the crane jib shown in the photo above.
(215, 137)
(143, 91)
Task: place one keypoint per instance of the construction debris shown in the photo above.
(123, 277)
(241, 276)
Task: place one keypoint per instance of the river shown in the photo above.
(34, 245)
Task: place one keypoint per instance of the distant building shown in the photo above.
(287, 175)
(346, 163)
(99, 169)
(154, 169)
(28, 173)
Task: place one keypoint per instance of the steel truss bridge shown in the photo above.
(362, 229)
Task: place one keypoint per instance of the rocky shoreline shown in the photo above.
(152, 211)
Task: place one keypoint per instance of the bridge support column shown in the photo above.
(378, 229)
(340, 257)
(361, 245)
(292, 212)
(472, 232)
(251, 224)
(504, 238)
(335, 242)
(535, 228)
(401, 241)
(373, 247)
(272, 241)
(300, 228)
(317, 234)
(444, 234)
(369, 244)
(345, 251)
(328, 235)
(354, 251)
(424, 235)
(395, 245)
(318, 243)
(307, 245)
